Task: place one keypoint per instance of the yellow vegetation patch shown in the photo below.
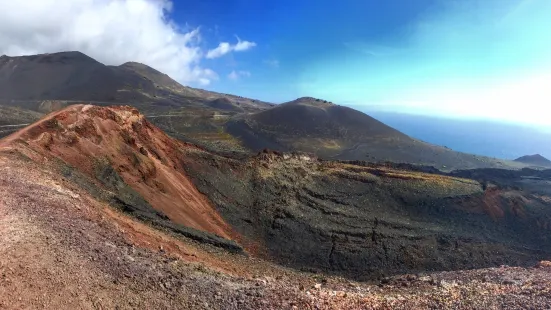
(214, 136)
(387, 172)
(330, 144)
(315, 145)
(435, 178)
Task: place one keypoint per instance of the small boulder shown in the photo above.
(543, 264)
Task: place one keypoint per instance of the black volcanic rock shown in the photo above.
(311, 125)
(332, 131)
(367, 221)
(74, 76)
(60, 76)
(536, 159)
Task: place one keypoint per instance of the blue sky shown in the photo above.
(476, 59)
(466, 59)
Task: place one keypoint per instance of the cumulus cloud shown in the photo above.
(236, 75)
(111, 31)
(243, 45)
(225, 48)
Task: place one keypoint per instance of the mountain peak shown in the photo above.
(535, 159)
(139, 65)
(53, 57)
(311, 101)
(68, 56)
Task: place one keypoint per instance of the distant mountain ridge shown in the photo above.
(338, 132)
(536, 159)
(221, 122)
(76, 76)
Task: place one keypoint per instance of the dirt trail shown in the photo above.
(16, 125)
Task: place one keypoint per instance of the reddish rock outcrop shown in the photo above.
(89, 137)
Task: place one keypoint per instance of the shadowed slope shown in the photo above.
(535, 160)
(337, 132)
(366, 220)
(75, 76)
(65, 76)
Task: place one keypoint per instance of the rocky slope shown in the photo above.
(367, 221)
(124, 154)
(100, 194)
(61, 248)
(340, 133)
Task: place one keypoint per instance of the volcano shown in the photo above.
(97, 201)
(536, 160)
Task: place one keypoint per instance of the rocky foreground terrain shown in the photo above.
(60, 248)
(84, 223)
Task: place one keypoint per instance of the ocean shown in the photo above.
(488, 138)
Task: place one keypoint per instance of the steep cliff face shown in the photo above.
(122, 151)
(372, 220)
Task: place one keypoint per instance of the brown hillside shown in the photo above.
(98, 140)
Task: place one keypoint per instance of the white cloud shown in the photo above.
(110, 31)
(225, 48)
(243, 45)
(233, 76)
(222, 49)
(236, 75)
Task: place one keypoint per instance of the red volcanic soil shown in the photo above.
(496, 202)
(144, 156)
